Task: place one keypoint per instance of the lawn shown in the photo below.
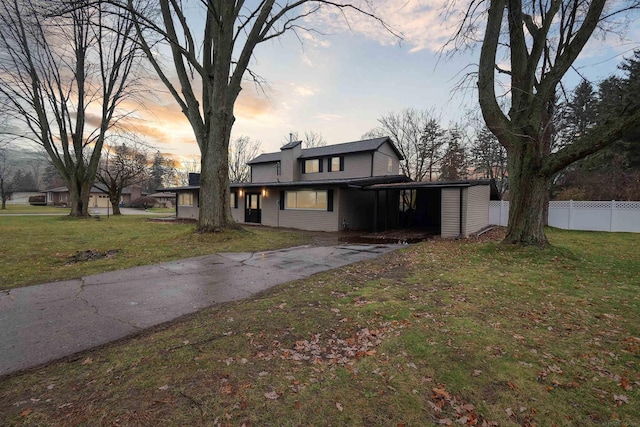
(29, 210)
(38, 249)
(440, 333)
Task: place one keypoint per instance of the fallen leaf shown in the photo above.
(272, 395)
(164, 387)
(26, 412)
(620, 399)
(87, 361)
(339, 406)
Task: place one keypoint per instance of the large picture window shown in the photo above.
(185, 199)
(306, 199)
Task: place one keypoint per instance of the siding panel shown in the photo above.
(477, 210)
(356, 165)
(450, 226)
(264, 172)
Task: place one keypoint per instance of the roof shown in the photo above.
(97, 188)
(343, 182)
(331, 150)
(495, 195)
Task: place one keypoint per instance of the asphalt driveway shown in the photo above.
(42, 323)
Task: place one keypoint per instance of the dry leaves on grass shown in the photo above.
(450, 410)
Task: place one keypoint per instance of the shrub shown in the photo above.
(144, 202)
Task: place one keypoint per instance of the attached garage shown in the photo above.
(450, 209)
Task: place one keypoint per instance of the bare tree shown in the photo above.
(541, 41)
(489, 158)
(6, 179)
(419, 138)
(65, 70)
(122, 166)
(241, 151)
(215, 63)
(311, 139)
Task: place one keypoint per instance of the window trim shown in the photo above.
(340, 164)
(306, 162)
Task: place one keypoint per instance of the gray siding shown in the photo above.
(450, 221)
(356, 165)
(238, 213)
(477, 203)
(313, 220)
(264, 172)
(380, 161)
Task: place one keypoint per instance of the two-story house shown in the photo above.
(312, 189)
(317, 188)
(350, 186)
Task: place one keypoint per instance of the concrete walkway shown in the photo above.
(42, 323)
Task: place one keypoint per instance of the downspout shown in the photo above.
(460, 236)
(372, 153)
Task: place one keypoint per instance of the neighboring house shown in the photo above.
(22, 197)
(350, 186)
(165, 199)
(97, 199)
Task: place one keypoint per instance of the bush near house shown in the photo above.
(38, 200)
(144, 202)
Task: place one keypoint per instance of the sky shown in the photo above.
(341, 82)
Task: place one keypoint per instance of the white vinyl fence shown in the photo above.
(570, 215)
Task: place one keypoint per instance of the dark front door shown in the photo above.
(252, 208)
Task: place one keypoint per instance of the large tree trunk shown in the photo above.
(528, 194)
(214, 177)
(79, 193)
(114, 199)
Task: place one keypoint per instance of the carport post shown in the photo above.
(375, 211)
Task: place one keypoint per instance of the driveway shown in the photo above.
(42, 323)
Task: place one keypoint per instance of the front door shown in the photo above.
(252, 208)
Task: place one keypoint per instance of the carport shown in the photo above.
(446, 208)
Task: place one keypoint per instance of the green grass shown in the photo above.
(440, 333)
(28, 209)
(38, 249)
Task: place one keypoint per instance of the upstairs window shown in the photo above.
(312, 166)
(336, 164)
(278, 171)
(390, 165)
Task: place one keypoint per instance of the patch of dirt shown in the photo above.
(495, 234)
(90, 255)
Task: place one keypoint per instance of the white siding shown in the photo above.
(477, 212)
(450, 221)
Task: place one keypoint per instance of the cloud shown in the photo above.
(329, 117)
(303, 90)
(423, 25)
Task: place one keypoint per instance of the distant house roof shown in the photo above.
(97, 188)
(331, 150)
(162, 194)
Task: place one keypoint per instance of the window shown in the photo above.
(306, 199)
(389, 165)
(336, 164)
(312, 166)
(278, 171)
(185, 199)
(233, 200)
